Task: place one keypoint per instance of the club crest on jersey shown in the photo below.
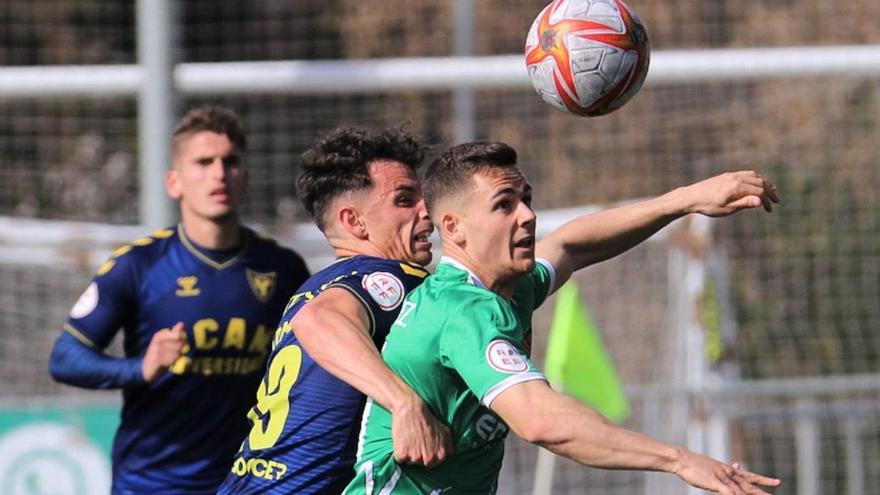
(386, 289)
(504, 357)
(86, 303)
(187, 286)
(262, 284)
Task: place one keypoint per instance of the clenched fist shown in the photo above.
(165, 347)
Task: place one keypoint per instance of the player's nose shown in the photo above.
(218, 170)
(422, 209)
(526, 214)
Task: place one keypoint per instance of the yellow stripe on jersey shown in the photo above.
(106, 267)
(143, 241)
(411, 270)
(79, 336)
(163, 234)
(121, 250)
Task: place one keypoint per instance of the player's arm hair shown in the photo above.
(542, 416)
(567, 427)
(603, 235)
(597, 237)
(334, 328)
(75, 363)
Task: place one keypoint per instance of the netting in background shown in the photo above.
(29, 320)
(69, 159)
(804, 281)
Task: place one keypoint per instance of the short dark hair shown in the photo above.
(338, 163)
(451, 172)
(216, 119)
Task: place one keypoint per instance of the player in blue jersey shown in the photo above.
(362, 191)
(198, 304)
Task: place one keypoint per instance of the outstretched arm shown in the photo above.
(566, 427)
(600, 236)
(334, 329)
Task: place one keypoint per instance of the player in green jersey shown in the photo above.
(461, 338)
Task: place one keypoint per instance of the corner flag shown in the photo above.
(577, 361)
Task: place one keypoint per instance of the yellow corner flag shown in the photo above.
(577, 361)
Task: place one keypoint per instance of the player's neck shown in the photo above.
(346, 245)
(354, 249)
(213, 234)
(501, 285)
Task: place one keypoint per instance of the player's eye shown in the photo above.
(504, 204)
(232, 161)
(405, 201)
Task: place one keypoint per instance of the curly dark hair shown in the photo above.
(451, 172)
(216, 119)
(338, 163)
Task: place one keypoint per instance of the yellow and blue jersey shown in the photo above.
(179, 434)
(306, 422)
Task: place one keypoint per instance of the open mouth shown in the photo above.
(525, 242)
(423, 237)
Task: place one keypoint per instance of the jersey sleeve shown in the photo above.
(105, 304)
(534, 288)
(381, 290)
(75, 363)
(484, 345)
(77, 357)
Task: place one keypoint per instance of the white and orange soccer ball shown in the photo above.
(587, 57)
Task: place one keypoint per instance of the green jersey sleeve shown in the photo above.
(483, 344)
(534, 288)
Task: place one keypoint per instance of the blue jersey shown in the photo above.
(306, 421)
(179, 434)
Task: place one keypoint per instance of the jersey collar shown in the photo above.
(473, 279)
(207, 260)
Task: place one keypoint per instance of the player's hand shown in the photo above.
(165, 347)
(730, 192)
(727, 479)
(418, 437)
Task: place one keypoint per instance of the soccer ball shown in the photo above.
(587, 57)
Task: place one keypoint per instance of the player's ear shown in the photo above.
(352, 221)
(172, 184)
(450, 227)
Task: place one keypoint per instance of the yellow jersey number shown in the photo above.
(273, 398)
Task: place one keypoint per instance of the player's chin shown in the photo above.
(524, 262)
(223, 214)
(421, 257)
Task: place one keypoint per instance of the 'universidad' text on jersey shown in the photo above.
(180, 433)
(458, 345)
(306, 421)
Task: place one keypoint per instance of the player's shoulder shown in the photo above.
(141, 251)
(384, 281)
(452, 290)
(268, 248)
(370, 264)
(268, 244)
(453, 280)
(456, 296)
